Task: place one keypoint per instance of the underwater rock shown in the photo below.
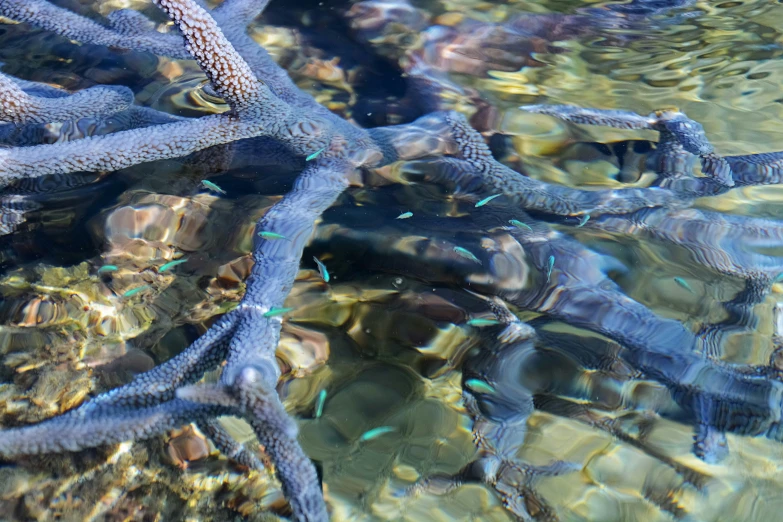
(186, 446)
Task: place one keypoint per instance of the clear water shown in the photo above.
(386, 342)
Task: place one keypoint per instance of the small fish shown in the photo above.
(683, 283)
(479, 386)
(319, 404)
(376, 432)
(583, 220)
(487, 200)
(322, 269)
(315, 154)
(277, 311)
(212, 186)
(482, 322)
(107, 268)
(405, 215)
(519, 224)
(467, 254)
(271, 235)
(549, 268)
(172, 264)
(134, 291)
